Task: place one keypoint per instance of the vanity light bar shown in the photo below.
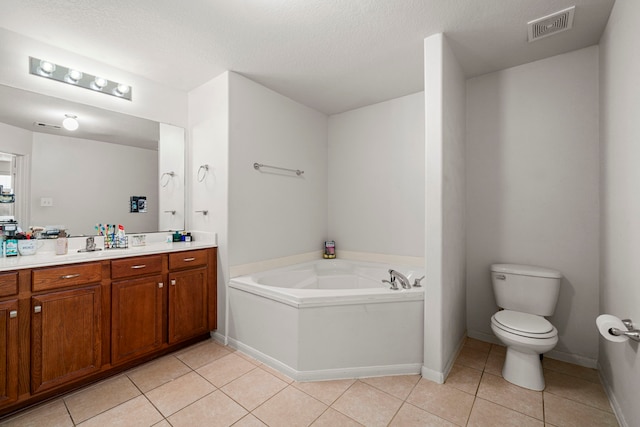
(60, 73)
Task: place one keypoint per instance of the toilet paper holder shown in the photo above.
(632, 333)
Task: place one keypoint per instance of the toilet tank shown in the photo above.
(526, 288)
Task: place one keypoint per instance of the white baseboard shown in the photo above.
(572, 358)
(617, 410)
(431, 375)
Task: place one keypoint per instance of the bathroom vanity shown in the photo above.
(70, 320)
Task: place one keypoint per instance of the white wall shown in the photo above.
(274, 214)
(77, 184)
(14, 140)
(209, 144)
(445, 206)
(620, 269)
(376, 178)
(532, 189)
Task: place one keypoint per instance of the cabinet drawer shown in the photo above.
(8, 284)
(65, 276)
(138, 266)
(187, 259)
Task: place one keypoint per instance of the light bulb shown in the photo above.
(70, 122)
(100, 83)
(73, 76)
(122, 89)
(47, 67)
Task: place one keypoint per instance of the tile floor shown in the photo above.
(212, 385)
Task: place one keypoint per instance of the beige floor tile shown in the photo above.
(498, 390)
(276, 373)
(472, 358)
(577, 389)
(409, 416)
(199, 355)
(290, 407)
(248, 358)
(398, 385)
(253, 388)
(136, 412)
(249, 421)
(53, 414)
(175, 395)
(464, 378)
(333, 418)
(98, 398)
(215, 409)
(498, 349)
(163, 423)
(587, 374)
(477, 344)
(489, 414)
(442, 400)
(158, 372)
(226, 369)
(563, 412)
(367, 405)
(325, 391)
(495, 362)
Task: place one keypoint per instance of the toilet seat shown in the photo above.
(524, 324)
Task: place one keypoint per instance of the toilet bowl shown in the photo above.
(526, 336)
(526, 294)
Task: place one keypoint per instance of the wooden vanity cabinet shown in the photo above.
(136, 307)
(188, 295)
(66, 327)
(8, 352)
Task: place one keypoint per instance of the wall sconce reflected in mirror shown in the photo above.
(75, 77)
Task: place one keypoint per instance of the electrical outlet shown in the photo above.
(46, 201)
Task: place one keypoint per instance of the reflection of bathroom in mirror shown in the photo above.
(75, 180)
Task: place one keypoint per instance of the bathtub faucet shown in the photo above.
(400, 277)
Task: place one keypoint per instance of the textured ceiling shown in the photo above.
(332, 55)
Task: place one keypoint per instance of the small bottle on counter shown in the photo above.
(11, 247)
(62, 245)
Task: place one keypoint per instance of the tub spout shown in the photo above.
(396, 275)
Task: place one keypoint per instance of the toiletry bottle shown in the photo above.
(11, 247)
(62, 245)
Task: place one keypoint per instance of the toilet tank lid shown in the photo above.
(526, 270)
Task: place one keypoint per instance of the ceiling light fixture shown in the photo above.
(42, 68)
(70, 122)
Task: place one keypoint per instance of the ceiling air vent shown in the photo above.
(551, 24)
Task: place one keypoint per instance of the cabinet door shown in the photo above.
(8, 352)
(136, 317)
(187, 304)
(65, 336)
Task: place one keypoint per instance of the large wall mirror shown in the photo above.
(114, 169)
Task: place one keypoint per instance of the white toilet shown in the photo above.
(526, 294)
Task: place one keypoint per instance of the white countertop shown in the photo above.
(44, 258)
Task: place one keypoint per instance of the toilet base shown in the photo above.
(523, 369)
